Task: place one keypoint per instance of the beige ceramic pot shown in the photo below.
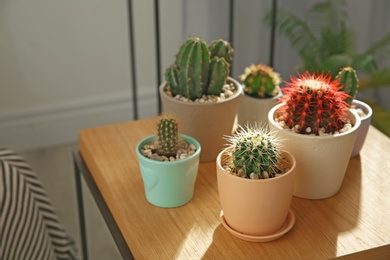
(256, 208)
(364, 126)
(207, 123)
(321, 160)
(255, 110)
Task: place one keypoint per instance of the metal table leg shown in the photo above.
(81, 169)
(80, 203)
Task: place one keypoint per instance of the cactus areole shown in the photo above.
(314, 104)
(199, 69)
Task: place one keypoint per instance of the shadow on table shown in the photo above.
(308, 239)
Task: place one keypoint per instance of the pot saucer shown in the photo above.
(288, 224)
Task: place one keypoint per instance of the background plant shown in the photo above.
(325, 43)
(255, 153)
(200, 69)
(261, 81)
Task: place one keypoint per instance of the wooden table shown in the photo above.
(354, 223)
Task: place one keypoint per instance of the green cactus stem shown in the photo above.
(261, 81)
(172, 78)
(219, 70)
(222, 49)
(198, 71)
(314, 104)
(349, 82)
(194, 63)
(167, 135)
(255, 153)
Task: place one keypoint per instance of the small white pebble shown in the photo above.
(183, 156)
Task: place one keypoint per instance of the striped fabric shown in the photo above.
(29, 227)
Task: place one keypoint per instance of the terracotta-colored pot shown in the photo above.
(206, 122)
(364, 126)
(255, 110)
(255, 207)
(321, 160)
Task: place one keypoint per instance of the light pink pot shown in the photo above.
(364, 126)
(255, 207)
(321, 160)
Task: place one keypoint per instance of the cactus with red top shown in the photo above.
(314, 104)
(199, 69)
(349, 82)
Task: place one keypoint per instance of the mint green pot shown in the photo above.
(169, 184)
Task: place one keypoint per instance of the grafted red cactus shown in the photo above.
(314, 104)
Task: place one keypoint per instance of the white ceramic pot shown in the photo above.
(206, 122)
(364, 126)
(255, 110)
(321, 160)
(256, 210)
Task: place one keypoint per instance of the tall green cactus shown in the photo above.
(198, 71)
(167, 135)
(255, 153)
(349, 82)
(261, 81)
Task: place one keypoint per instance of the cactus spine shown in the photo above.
(261, 81)
(197, 70)
(255, 153)
(314, 104)
(167, 135)
(349, 82)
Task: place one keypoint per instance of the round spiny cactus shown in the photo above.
(167, 135)
(348, 82)
(255, 153)
(314, 104)
(261, 81)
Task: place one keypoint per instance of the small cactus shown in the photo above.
(255, 153)
(222, 49)
(314, 104)
(261, 81)
(167, 135)
(349, 82)
(199, 69)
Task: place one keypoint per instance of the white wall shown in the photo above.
(65, 65)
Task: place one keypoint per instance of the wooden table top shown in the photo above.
(356, 220)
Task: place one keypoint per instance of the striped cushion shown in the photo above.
(29, 227)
